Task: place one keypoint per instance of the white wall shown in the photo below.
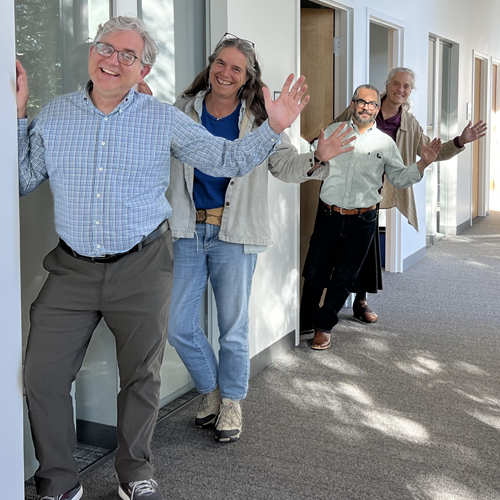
(11, 420)
(274, 302)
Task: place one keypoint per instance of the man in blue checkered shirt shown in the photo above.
(106, 151)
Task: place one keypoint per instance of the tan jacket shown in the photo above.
(410, 138)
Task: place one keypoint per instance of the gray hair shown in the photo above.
(400, 69)
(245, 47)
(366, 86)
(131, 23)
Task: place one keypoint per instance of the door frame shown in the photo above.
(493, 62)
(393, 253)
(346, 11)
(484, 146)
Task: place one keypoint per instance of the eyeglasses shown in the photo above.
(106, 50)
(361, 103)
(230, 36)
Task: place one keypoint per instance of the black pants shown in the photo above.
(133, 297)
(337, 249)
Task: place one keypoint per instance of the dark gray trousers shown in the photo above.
(133, 297)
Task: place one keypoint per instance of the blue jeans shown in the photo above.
(230, 271)
(337, 249)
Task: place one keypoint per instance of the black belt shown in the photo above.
(106, 259)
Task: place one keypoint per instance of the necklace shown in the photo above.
(213, 114)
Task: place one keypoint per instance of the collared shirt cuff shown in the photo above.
(414, 173)
(269, 134)
(22, 126)
(456, 141)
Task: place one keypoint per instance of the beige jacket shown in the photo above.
(246, 211)
(410, 138)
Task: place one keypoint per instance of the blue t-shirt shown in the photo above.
(208, 191)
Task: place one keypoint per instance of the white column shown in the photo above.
(11, 428)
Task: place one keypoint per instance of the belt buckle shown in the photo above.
(201, 217)
(341, 213)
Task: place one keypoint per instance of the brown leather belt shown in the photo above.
(210, 216)
(350, 211)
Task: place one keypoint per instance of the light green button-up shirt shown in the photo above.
(356, 177)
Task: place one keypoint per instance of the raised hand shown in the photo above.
(144, 88)
(283, 111)
(336, 144)
(473, 132)
(22, 93)
(428, 154)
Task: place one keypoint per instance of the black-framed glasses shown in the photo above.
(230, 36)
(106, 50)
(361, 103)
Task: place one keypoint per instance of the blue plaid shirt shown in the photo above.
(109, 173)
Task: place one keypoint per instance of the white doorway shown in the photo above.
(479, 172)
(442, 122)
(385, 48)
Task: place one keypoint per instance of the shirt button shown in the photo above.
(97, 222)
(98, 195)
(103, 143)
(98, 246)
(120, 111)
(232, 183)
(227, 203)
(100, 170)
(105, 118)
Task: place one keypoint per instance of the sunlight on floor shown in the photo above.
(438, 487)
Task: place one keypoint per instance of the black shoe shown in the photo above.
(140, 490)
(73, 494)
(361, 310)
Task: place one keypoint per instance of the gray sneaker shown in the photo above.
(229, 422)
(140, 490)
(73, 494)
(208, 409)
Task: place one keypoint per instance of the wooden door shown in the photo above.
(316, 56)
(475, 147)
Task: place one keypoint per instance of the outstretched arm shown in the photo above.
(22, 94)
(283, 111)
(472, 132)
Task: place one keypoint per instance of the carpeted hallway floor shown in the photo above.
(407, 408)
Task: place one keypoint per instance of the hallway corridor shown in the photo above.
(407, 408)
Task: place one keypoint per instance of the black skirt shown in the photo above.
(370, 276)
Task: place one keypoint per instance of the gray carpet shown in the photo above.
(407, 408)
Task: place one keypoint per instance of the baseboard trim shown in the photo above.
(271, 353)
(414, 258)
(462, 227)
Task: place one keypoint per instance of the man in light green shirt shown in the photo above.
(347, 214)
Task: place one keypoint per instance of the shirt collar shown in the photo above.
(126, 102)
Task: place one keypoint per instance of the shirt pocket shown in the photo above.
(372, 167)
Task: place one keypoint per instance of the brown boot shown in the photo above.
(361, 310)
(321, 340)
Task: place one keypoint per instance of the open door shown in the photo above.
(317, 64)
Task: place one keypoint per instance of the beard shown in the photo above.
(364, 116)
